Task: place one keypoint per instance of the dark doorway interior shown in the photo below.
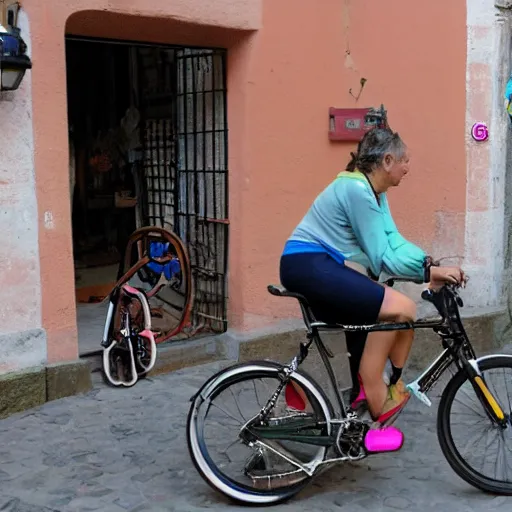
(148, 140)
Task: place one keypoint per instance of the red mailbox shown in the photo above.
(350, 124)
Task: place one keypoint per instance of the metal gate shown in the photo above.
(183, 105)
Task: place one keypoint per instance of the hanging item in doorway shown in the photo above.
(131, 132)
(479, 132)
(100, 162)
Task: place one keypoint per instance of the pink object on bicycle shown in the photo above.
(388, 439)
(293, 398)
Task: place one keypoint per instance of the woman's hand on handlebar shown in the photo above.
(440, 276)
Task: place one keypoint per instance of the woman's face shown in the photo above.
(396, 169)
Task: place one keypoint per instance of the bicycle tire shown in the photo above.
(212, 475)
(444, 434)
(109, 383)
(105, 379)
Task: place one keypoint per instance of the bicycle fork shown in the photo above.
(431, 375)
(489, 403)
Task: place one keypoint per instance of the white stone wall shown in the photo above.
(488, 68)
(22, 341)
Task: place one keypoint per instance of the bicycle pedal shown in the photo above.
(414, 389)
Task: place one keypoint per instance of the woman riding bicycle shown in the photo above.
(350, 222)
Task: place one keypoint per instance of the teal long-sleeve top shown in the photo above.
(350, 222)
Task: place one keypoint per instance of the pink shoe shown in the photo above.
(361, 397)
(387, 439)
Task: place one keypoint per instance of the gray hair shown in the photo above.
(372, 148)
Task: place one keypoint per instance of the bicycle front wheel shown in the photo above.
(244, 471)
(477, 449)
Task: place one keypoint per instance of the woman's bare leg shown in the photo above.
(401, 348)
(373, 362)
(380, 346)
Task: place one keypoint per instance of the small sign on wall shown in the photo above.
(480, 132)
(348, 124)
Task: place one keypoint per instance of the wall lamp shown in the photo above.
(13, 59)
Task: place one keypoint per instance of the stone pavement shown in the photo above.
(119, 450)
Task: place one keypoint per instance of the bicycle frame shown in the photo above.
(457, 350)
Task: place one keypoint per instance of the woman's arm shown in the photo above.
(377, 235)
(406, 258)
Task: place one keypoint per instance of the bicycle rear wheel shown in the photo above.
(479, 451)
(242, 471)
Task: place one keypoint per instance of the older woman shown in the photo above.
(350, 221)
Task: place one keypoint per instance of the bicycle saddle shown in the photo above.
(280, 291)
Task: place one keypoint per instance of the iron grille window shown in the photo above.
(185, 163)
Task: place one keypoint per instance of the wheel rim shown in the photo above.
(236, 484)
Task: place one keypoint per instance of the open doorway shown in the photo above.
(148, 147)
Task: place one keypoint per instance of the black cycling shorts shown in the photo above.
(335, 292)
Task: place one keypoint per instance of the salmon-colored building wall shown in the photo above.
(190, 22)
(306, 58)
(288, 62)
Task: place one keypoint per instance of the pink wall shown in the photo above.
(299, 67)
(281, 81)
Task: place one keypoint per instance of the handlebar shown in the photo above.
(429, 263)
(452, 289)
(429, 294)
(391, 280)
(445, 299)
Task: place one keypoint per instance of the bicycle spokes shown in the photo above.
(484, 445)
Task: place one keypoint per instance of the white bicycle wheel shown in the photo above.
(245, 473)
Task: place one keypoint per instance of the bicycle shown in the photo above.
(159, 260)
(285, 451)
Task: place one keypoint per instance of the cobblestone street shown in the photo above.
(119, 450)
